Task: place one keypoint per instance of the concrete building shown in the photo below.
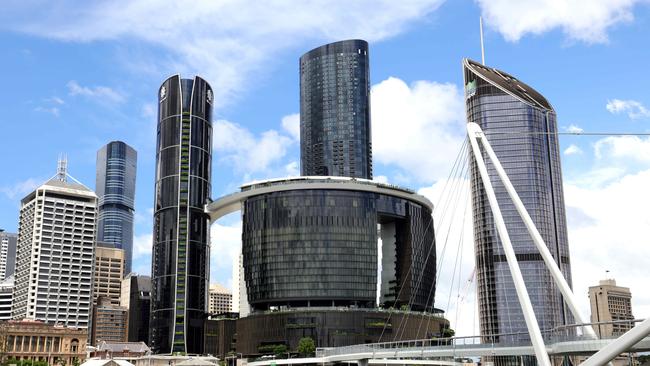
(129, 351)
(6, 295)
(610, 303)
(7, 254)
(109, 270)
(220, 300)
(109, 322)
(136, 297)
(115, 186)
(38, 341)
(54, 260)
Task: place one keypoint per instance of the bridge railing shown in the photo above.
(568, 333)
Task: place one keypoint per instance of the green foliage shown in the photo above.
(447, 333)
(280, 350)
(75, 361)
(306, 346)
(40, 363)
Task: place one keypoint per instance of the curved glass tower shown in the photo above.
(179, 281)
(115, 186)
(520, 125)
(335, 137)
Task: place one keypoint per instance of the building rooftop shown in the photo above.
(219, 288)
(133, 347)
(508, 84)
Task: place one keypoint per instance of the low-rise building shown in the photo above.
(219, 335)
(38, 341)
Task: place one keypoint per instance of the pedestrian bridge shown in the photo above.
(444, 351)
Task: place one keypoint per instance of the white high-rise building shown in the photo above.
(54, 259)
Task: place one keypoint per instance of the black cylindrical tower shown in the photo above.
(335, 136)
(179, 273)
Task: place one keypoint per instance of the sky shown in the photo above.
(79, 74)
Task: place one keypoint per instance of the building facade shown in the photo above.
(611, 303)
(520, 124)
(335, 137)
(136, 297)
(220, 336)
(109, 270)
(179, 280)
(7, 254)
(310, 246)
(6, 296)
(220, 300)
(110, 322)
(54, 260)
(115, 186)
(38, 341)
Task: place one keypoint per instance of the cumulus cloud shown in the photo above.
(628, 149)
(292, 169)
(225, 248)
(142, 245)
(246, 153)
(226, 41)
(100, 93)
(417, 128)
(515, 19)
(573, 149)
(607, 233)
(291, 124)
(573, 129)
(632, 108)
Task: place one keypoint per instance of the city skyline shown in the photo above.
(416, 79)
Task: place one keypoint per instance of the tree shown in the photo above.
(280, 350)
(306, 346)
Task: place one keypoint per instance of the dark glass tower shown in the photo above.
(115, 186)
(520, 125)
(335, 137)
(179, 281)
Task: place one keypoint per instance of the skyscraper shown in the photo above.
(220, 300)
(521, 127)
(115, 186)
(54, 262)
(179, 281)
(335, 137)
(7, 254)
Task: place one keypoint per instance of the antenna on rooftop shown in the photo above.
(480, 22)
(62, 168)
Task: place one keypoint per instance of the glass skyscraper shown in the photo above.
(115, 186)
(179, 281)
(521, 126)
(335, 137)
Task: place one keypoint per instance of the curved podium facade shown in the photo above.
(179, 275)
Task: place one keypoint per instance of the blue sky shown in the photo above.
(80, 74)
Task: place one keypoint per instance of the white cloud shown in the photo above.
(149, 110)
(292, 169)
(627, 149)
(573, 129)
(225, 248)
(142, 245)
(417, 128)
(608, 231)
(380, 178)
(291, 124)
(53, 110)
(246, 153)
(579, 20)
(100, 93)
(226, 41)
(632, 108)
(20, 189)
(55, 100)
(573, 149)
